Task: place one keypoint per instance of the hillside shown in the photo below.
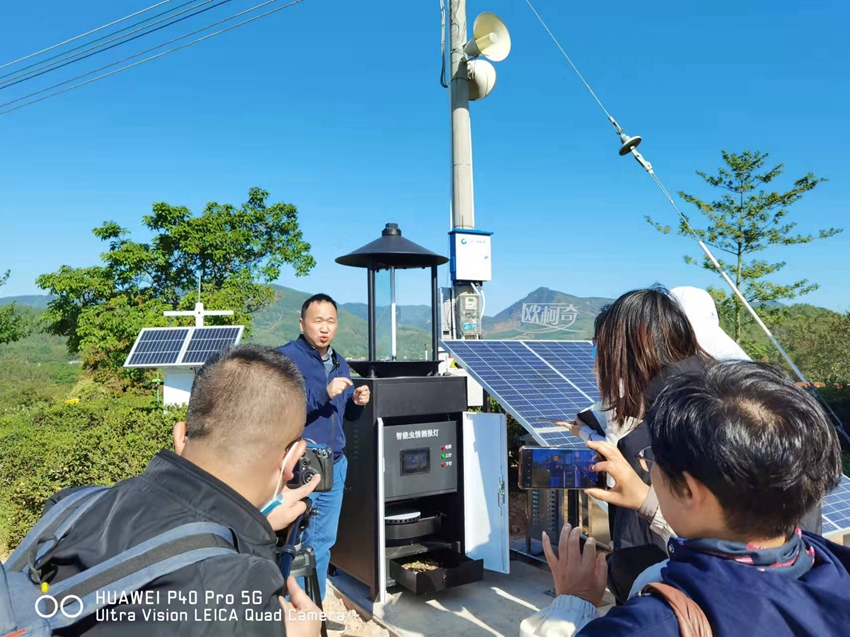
(542, 314)
(278, 323)
(38, 301)
(546, 314)
(416, 316)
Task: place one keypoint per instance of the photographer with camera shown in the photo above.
(331, 397)
(238, 446)
(738, 455)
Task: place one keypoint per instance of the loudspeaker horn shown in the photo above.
(629, 143)
(490, 38)
(482, 78)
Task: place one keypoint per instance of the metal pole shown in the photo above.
(435, 317)
(463, 202)
(463, 207)
(371, 310)
(393, 324)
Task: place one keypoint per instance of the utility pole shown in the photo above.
(463, 199)
(473, 78)
(463, 203)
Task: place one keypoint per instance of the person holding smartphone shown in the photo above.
(738, 455)
(643, 340)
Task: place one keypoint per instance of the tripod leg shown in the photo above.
(315, 595)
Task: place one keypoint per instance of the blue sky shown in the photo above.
(335, 106)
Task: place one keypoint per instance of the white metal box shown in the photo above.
(470, 256)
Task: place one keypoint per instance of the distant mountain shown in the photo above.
(417, 316)
(38, 301)
(546, 314)
(278, 324)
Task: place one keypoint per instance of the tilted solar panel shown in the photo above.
(555, 379)
(157, 347)
(531, 383)
(206, 341)
(181, 346)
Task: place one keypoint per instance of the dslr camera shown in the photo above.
(316, 459)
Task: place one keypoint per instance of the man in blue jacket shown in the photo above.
(739, 455)
(331, 397)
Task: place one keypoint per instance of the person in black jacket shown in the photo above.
(239, 443)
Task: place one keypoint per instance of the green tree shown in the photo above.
(233, 251)
(14, 325)
(822, 348)
(745, 220)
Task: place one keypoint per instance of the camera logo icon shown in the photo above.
(44, 611)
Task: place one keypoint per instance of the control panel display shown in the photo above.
(420, 459)
(415, 461)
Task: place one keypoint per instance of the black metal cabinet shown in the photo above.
(430, 407)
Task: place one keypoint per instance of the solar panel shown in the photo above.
(836, 509)
(531, 380)
(555, 379)
(157, 347)
(573, 359)
(180, 346)
(206, 341)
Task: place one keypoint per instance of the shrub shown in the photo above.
(46, 449)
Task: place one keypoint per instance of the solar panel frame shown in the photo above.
(141, 356)
(221, 336)
(558, 397)
(144, 354)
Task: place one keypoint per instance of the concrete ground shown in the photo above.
(494, 606)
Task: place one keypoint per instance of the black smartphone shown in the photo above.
(558, 468)
(587, 417)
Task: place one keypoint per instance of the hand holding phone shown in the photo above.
(558, 468)
(587, 417)
(629, 491)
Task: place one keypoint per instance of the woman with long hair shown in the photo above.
(642, 340)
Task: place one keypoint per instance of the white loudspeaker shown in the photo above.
(490, 38)
(482, 78)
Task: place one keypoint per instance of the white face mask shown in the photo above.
(277, 500)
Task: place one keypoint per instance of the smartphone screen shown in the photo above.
(556, 468)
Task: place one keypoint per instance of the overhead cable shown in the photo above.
(95, 50)
(82, 35)
(101, 38)
(159, 55)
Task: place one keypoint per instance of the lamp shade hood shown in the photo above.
(391, 250)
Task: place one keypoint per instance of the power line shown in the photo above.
(140, 53)
(78, 47)
(158, 55)
(105, 26)
(100, 48)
